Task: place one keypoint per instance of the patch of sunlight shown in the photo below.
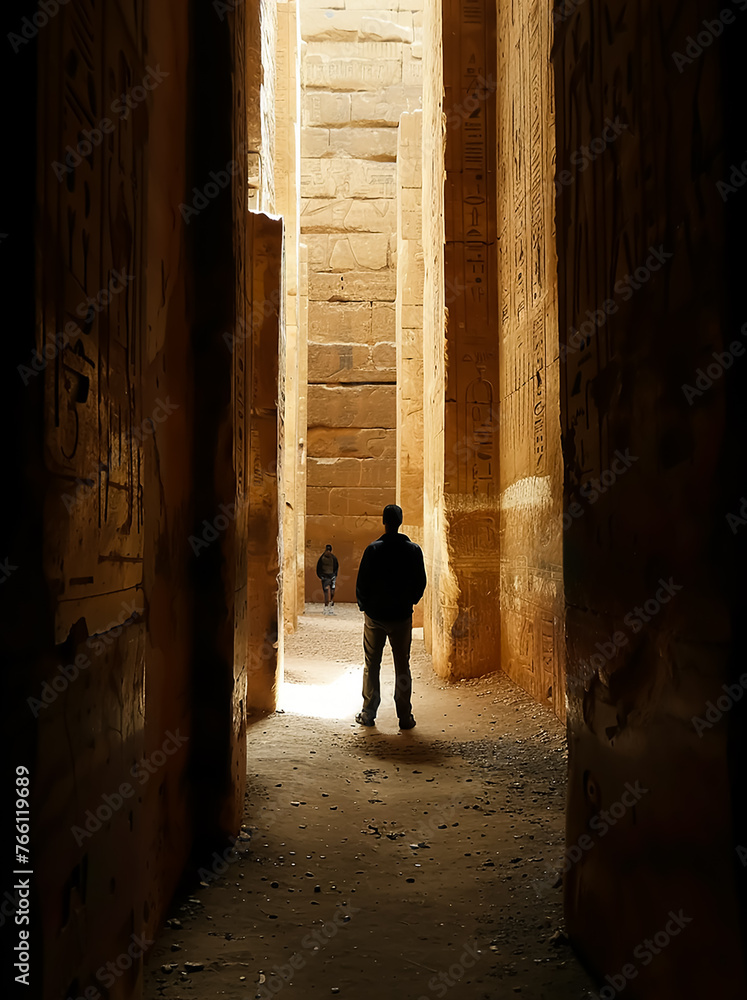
(337, 700)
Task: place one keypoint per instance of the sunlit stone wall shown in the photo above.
(361, 69)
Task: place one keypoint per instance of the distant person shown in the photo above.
(326, 569)
(391, 579)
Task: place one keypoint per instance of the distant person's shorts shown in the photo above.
(328, 582)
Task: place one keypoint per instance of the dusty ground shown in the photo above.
(374, 862)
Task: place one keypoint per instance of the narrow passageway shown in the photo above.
(378, 862)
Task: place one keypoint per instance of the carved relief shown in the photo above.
(93, 197)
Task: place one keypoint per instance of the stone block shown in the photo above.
(411, 274)
(353, 286)
(315, 142)
(351, 442)
(340, 322)
(317, 500)
(354, 252)
(412, 224)
(410, 179)
(411, 380)
(351, 406)
(412, 66)
(350, 472)
(349, 215)
(384, 357)
(347, 178)
(349, 73)
(351, 363)
(355, 50)
(385, 106)
(363, 143)
(412, 322)
(364, 502)
(359, 252)
(356, 25)
(384, 322)
(322, 108)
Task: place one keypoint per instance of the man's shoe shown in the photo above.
(407, 723)
(363, 721)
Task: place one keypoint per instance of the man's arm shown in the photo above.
(319, 567)
(335, 565)
(419, 579)
(362, 583)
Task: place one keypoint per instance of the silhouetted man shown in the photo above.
(391, 579)
(326, 569)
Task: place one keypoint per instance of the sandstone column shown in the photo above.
(260, 460)
(287, 95)
(651, 290)
(531, 599)
(463, 485)
(409, 313)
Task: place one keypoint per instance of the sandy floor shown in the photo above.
(415, 864)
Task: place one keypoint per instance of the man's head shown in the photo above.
(328, 548)
(392, 517)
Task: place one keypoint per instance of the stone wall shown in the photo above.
(492, 430)
(293, 362)
(461, 352)
(651, 285)
(409, 319)
(441, 586)
(531, 595)
(127, 624)
(361, 71)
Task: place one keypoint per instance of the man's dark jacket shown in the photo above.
(335, 565)
(391, 578)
